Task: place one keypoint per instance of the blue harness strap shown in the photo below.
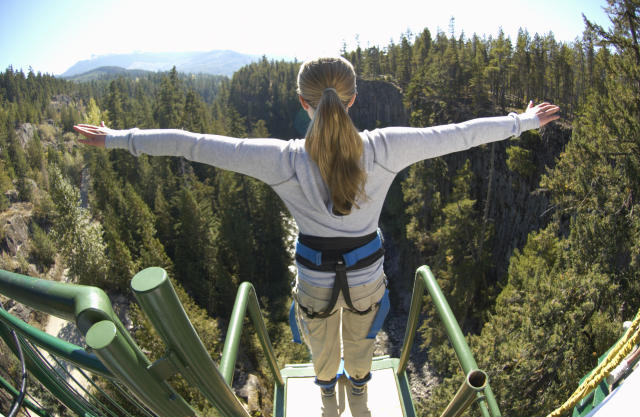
(350, 258)
(378, 321)
(339, 255)
(293, 323)
(309, 254)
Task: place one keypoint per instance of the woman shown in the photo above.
(334, 183)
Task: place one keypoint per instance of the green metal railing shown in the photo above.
(186, 352)
(476, 384)
(247, 298)
(106, 336)
(113, 354)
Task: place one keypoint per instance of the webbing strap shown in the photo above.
(330, 258)
(293, 323)
(378, 321)
(308, 253)
(350, 258)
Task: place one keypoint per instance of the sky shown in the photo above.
(51, 36)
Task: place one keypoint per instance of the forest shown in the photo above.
(535, 240)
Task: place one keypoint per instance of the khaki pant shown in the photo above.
(322, 336)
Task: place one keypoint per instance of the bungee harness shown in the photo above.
(339, 255)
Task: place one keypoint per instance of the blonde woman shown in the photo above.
(334, 183)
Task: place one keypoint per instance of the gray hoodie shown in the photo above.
(287, 168)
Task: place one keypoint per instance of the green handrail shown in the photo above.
(36, 368)
(27, 403)
(426, 281)
(68, 351)
(91, 310)
(187, 353)
(246, 297)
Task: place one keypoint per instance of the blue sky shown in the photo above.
(52, 35)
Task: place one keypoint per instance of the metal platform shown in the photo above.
(386, 395)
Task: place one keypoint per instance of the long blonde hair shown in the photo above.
(328, 85)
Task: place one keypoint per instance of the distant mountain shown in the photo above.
(212, 62)
(108, 73)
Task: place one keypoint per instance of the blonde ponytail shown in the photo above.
(332, 141)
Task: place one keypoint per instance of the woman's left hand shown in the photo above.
(546, 112)
(95, 135)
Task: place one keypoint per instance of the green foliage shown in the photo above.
(69, 116)
(519, 160)
(116, 105)
(266, 91)
(461, 261)
(93, 113)
(576, 281)
(536, 332)
(129, 224)
(170, 102)
(78, 236)
(5, 185)
(43, 250)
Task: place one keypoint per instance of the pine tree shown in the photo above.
(115, 106)
(170, 103)
(78, 237)
(577, 280)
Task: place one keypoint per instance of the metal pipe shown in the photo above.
(234, 331)
(463, 353)
(247, 298)
(36, 369)
(255, 315)
(475, 382)
(412, 323)
(425, 280)
(159, 301)
(80, 304)
(68, 351)
(121, 359)
(19, 399)
(27, 403)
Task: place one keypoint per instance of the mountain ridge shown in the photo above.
(215, 62)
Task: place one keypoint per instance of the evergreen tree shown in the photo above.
(576, 281)
(170, 102)
(115, 106)
(79, 238)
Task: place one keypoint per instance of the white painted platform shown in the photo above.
(303, 398)
(622, 401)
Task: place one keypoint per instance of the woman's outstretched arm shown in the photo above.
(269, 160)
(398, 147)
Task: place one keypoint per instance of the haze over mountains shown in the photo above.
(217, 62)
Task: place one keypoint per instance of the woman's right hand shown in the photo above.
(546, 112)
(95, 135)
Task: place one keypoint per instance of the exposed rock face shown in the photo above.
(516, 207)
(252, 391)
(378, 104)
(15, 231)
(25, 133)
